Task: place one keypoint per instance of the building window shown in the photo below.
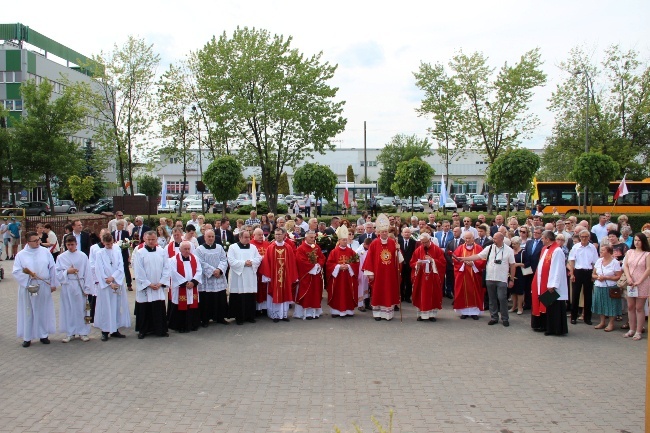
(436, 187)
(174, 187)
(471, 186)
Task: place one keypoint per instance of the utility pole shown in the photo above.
(365, 163)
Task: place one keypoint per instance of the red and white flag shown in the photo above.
(346, 197)
(621, 190)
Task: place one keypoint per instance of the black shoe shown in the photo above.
(396, 308)
(491, 322)
(276, 320)
(588, 322)
(117, 334)
(432, 319)
(449, 296)
(286, 319)
(130, 289)
(45, 340)
(239, 322)
(548, 333)
(419, 319)
(573, 321)
(223, 322)
(252, 321)
(27, 343)
(309, 318)
(408, 301)
(166, 334)
(539, 330)
(140, 336)
(475, 317)
(506, 323)
(316, 317)
(104, 336)
(377, 319)
(204, 325)
(464, 316)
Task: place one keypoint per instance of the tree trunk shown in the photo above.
(50, 199)
(223, 210)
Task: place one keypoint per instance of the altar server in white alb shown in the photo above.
(112, 309)
(74, 276)
(186, 276)
(244, 261)
(34, 265)
(92, 296)
(212, 292)
(152, 276)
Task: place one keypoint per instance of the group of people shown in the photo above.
(190, 274)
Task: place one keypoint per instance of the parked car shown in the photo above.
(171, 206)
(450, 204)
(65, 206)
(476, 204)
(218, 207)
(101, 201)
(39, 208)
(517, 204)
(190, 198)
(104, 207)
(501, 203)
(194, 206)
(416, 207)
(460, 199)
(385, 202)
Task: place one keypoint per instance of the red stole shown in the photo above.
(171, 252)
(182, 290)
(261, 287)
(545, 268)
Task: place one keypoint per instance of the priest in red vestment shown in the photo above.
(258, 242)
(382, 266)
(468, 279)
(186, 276)
(428, 266)
(342, 277)
(550, 276)
(279, 270)
(310, 261)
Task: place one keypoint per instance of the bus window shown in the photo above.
(645, 197)
(569, 198)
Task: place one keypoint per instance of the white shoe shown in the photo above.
(67, 339)
(84, 338)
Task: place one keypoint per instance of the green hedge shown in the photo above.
(262, 208)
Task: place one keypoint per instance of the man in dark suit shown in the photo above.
(531, 259)
(498, 222)
(119, 235)
(83, 238)
(139, 228)
(483, 239)
(407, 245)
(223, 233)
(201, 239)
(451, 246)
(369, 233)
(334, 224)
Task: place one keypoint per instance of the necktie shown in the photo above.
(117, 235)
(223, 235)
(444, 239)
(455, 243)
(406, 243)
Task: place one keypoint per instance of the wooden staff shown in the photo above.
(399, 280)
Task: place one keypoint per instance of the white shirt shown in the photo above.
(472, 230)
(607, 271)
(583, 256)
(600, 232)
(494, 271)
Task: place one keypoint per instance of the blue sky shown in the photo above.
(377, 46)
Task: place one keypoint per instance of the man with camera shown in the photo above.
(500, 275)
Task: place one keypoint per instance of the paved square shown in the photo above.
(310, 376)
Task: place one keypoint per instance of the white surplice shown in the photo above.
(178, 279)
(74, 288)
(94, 249)
(151, 267)
(36, 317)
(212, 259)
(112, 308)
(362, 277)
(243, 279)
(556, 275)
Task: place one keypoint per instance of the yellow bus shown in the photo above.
(564, 197)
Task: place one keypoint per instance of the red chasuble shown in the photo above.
(468, 285)
(261, 287)
(279, 264)
(544, 267)
(382, 261)
(427, 287)
(310, 288)
(182, 290)
(342, 290)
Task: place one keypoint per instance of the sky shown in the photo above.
(377, 47)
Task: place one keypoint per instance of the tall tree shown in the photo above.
(400, 148)
(124, 100)
(223, 178)
(495, 112)
(43, 135)
(513, 171)
(283, 184)
(275, 102)
(443, 100)
(316, 178)
(7, 142)
(618, 116)
(594, 171)
(350, 174)
(412, 178)
(81, 190)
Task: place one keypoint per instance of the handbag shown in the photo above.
(615, 292)
(622, 282)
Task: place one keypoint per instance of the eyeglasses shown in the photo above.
(33, 240)
(455, 215)
(119, 215)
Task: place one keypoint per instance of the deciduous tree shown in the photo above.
(594, 171)
(82, 190)
(400, 148)
(316, 178)
(222, 177)
(412, 178)
(513, 171)
(283, 184)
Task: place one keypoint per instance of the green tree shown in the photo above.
(43, 135)
(400, 148)
(82, 190)
(275, 102)
(594, 171)
(125, 100)
(495, 111)
(315, 178)
(513, 171)
(7, 142)
(412, 178)
(350, 174)
(283, 184)
(618, 118)
(443, 100)
(149, 185)
(223, 178)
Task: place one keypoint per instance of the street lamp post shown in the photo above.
(586, 74)
(198, 128)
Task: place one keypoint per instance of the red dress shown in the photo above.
(310, 287)
(261, 287)
(381, 260)
(342, 290)
(279, 264)
(468, 285)
(427, 287)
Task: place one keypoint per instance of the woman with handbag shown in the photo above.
(607, 295)
(637, 272)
